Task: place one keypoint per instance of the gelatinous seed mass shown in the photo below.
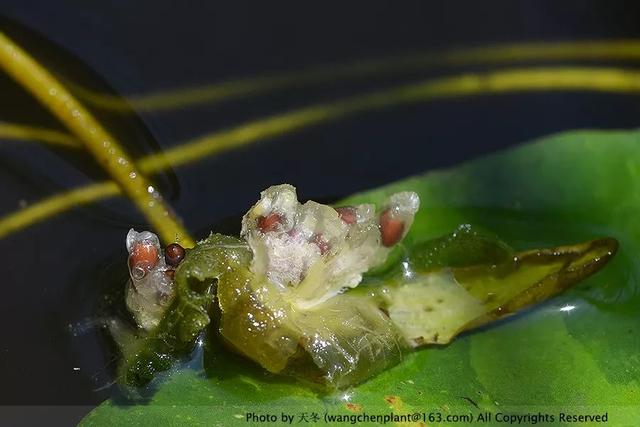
(347, 214)
(391, 229)
(321, 243)
(143, 256)
(269, 222)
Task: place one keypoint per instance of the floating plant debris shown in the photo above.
(316, 292)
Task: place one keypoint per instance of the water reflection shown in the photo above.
(567, 308)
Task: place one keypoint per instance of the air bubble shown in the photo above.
(138, 273)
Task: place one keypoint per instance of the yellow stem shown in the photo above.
(32, 214)
(524, 80)
(610, 80)
(37, 134)
(592, 50)
(104, 148)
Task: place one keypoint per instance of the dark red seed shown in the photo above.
(174, 254)
(269, 222)
(391, 229)
(347, 214)
(321, 243)
(143, 256)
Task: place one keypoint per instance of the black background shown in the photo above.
(54, 271)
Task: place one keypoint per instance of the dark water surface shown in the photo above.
(55, 272)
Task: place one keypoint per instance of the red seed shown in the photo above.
(391, 229)
(269, 222)
(143, 256)
(321, 243)
(347, 214)
(173, 254)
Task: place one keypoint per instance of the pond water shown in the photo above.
(58, 272)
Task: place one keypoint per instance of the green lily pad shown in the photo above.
(576, 354)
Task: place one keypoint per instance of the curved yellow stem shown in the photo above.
(32, 214)
(104, 148)
(594, 50)
(525, 80)
(38, 134)
(590, 50)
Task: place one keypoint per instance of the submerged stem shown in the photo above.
(38, 134)
(591, 79)
(583, 50)
(27, 72)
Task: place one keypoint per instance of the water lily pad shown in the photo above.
(577, 353)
